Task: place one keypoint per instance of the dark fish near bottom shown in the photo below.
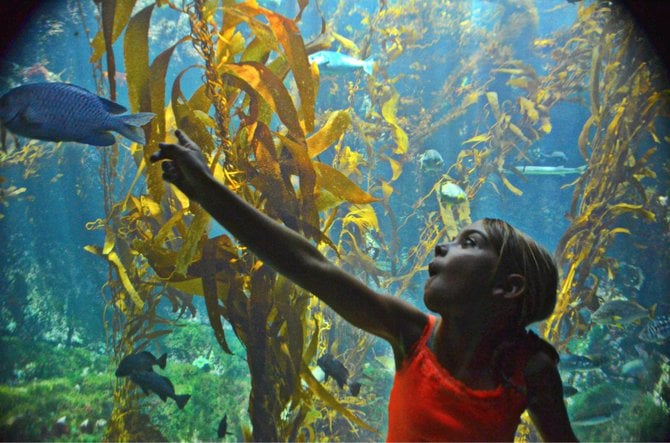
(62, 112)
(569, 390)
(334, 368)
(223, 427)
(162, 386)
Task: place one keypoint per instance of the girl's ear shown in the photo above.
(512, 286)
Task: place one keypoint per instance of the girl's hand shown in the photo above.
(185, 167)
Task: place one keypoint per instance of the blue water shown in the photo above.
(54, 291)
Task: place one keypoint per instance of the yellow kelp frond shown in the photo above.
(123, 276)
(334, 128)
(288, 35)
(492, 98)
(340, 186)
(116, 21)
(363, 216)
(197, 231)
(192, 116)
(396, 167)
(347, 44)
(528, 109)
(136, 54)
(307, 175)
(215, 255)
(389, 111)
(258, 79)
(349, 162)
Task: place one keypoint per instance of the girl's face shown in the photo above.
(462, 270)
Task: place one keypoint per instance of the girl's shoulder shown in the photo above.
(521, 356)
(535, 345)
(541, 364)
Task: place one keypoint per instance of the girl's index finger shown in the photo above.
(184, 140)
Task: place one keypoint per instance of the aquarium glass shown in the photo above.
(376, 129)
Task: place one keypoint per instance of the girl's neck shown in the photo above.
(465, 346)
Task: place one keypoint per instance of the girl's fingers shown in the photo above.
(171, 151)
(184, 140)
(166, 151)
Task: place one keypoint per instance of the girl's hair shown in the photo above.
(520, 254)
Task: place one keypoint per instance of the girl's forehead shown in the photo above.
(475, 226)
(478, 223)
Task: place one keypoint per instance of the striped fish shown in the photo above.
(657, 330)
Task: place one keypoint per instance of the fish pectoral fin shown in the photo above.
(163, 397)
(99, 139)
(30, 119)
(162, 361)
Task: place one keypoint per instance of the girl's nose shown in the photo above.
(441, 250)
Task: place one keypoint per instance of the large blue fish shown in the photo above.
(65, 112)
(336, 62)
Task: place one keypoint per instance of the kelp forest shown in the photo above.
(342, 159)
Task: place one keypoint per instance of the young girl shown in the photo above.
(465, 375)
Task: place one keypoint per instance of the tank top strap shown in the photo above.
(427, 331)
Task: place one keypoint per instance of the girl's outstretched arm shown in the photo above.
(288, 252)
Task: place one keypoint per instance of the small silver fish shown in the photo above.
(591, 416)
(546, 170)
(431, 161)
(573, 362)
(635, 368)
(336, 62)
(451, 193)
(65, 112)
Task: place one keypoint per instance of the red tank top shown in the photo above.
(428, 404)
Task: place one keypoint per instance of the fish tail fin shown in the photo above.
(369, 65)
(131, 126)
(162, 361)
(181, 400)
